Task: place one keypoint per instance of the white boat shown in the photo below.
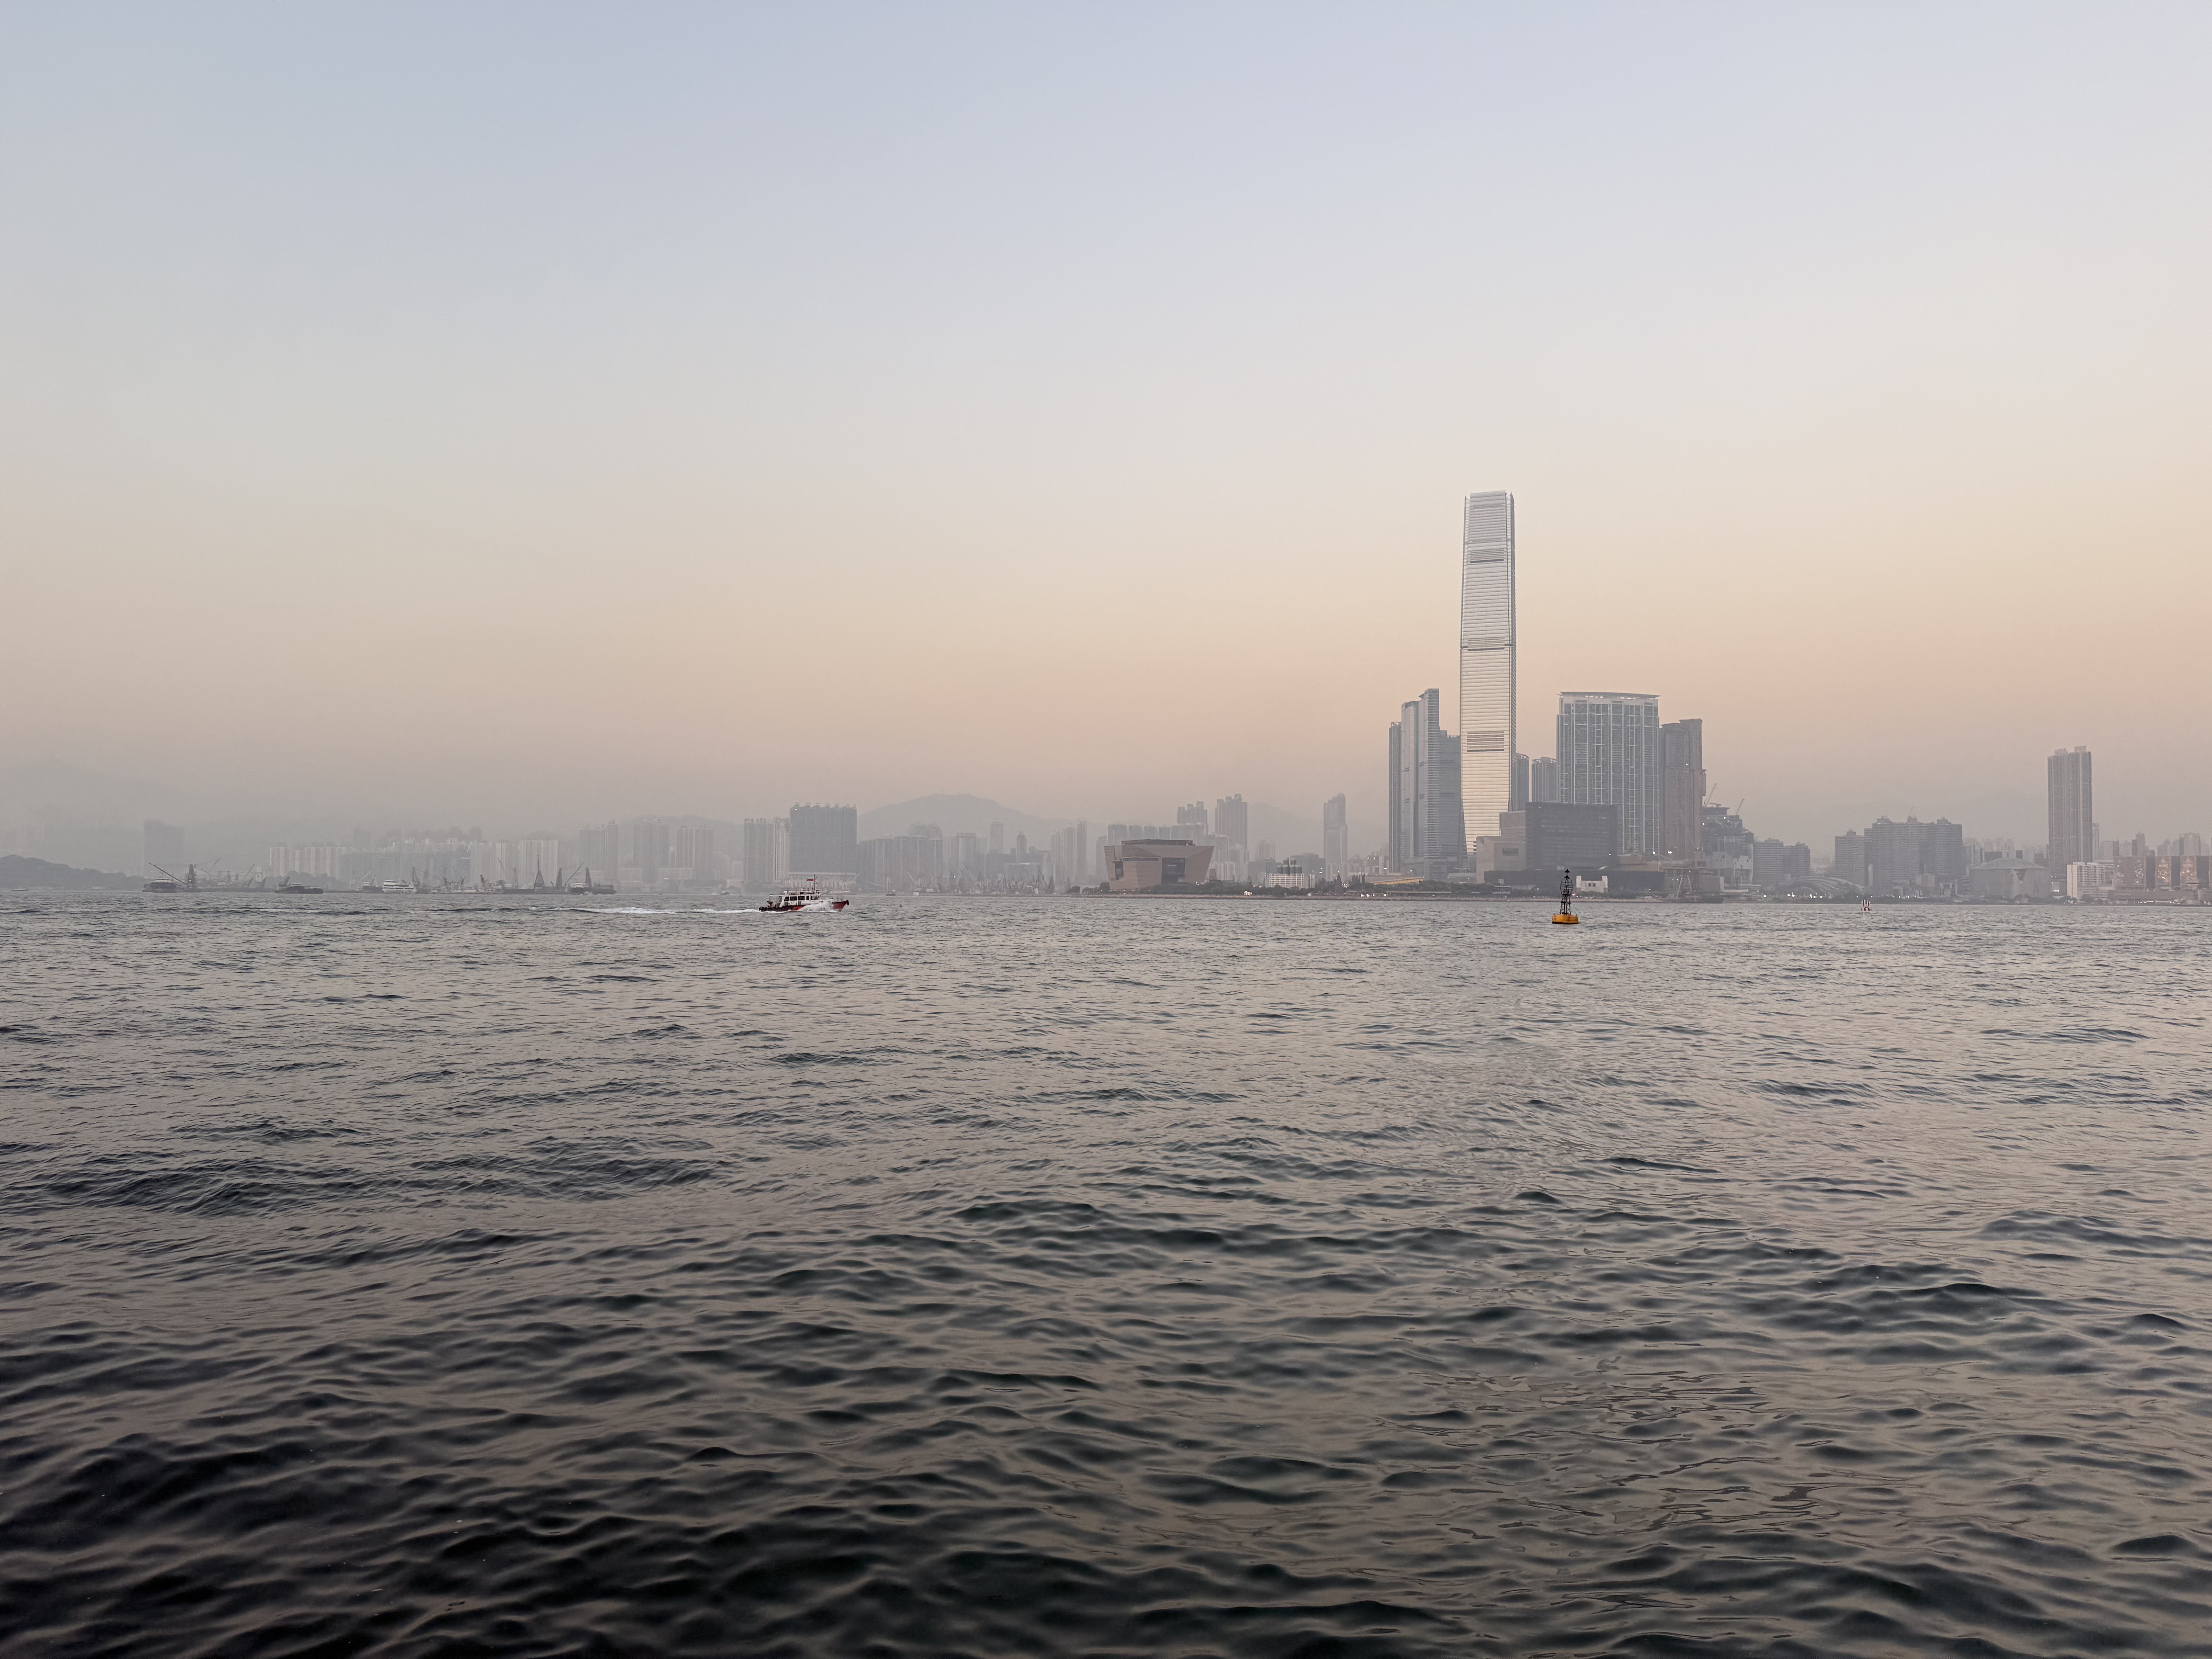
(808, 896)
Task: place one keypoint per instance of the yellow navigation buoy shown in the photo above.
(1566, 918)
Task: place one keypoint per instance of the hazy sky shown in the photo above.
(513, 414)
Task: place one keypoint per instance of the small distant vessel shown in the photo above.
(296, 887)
(587, 885)
(1566, 918)
(1865, 905)
(169, 883)
(809, 897)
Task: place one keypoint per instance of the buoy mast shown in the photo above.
(1566, 918)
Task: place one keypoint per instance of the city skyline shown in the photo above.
(1888, 859)
(1611, 750)
(385, 444)
(116, 835)
(907, 846)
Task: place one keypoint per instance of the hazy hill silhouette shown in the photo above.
(18, 872)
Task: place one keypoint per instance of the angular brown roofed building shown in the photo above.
(1139, 866)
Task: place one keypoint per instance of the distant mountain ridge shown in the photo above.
(18, 872)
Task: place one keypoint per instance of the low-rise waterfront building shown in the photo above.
(1730, 849)
(1140, 866)
(2010, 878)
(2161, 878)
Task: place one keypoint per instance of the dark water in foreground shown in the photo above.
(431, 1276)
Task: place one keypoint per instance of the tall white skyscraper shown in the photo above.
(1488, 722)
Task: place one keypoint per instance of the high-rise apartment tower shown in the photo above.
(2073, 822)
(1232, 822)
(1609, 756)
(1682, 789)
(1427, 830)
(1487, 723)
(825, 840)
(764, 847)
(1335, 838)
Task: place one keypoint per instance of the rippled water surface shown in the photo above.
(460, 1276)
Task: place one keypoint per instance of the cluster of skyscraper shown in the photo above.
(1623, 793)
(1619, 788)
(823, 841)
(1197, 848)
(1913, 860)
(654, 853)
(763, 854)
(425, 859)
(1624, 796)
(2083, 866)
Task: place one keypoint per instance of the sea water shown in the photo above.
(536, 1275)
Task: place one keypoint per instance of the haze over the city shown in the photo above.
(528, 414)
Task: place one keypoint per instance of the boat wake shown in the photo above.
(704, 909)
